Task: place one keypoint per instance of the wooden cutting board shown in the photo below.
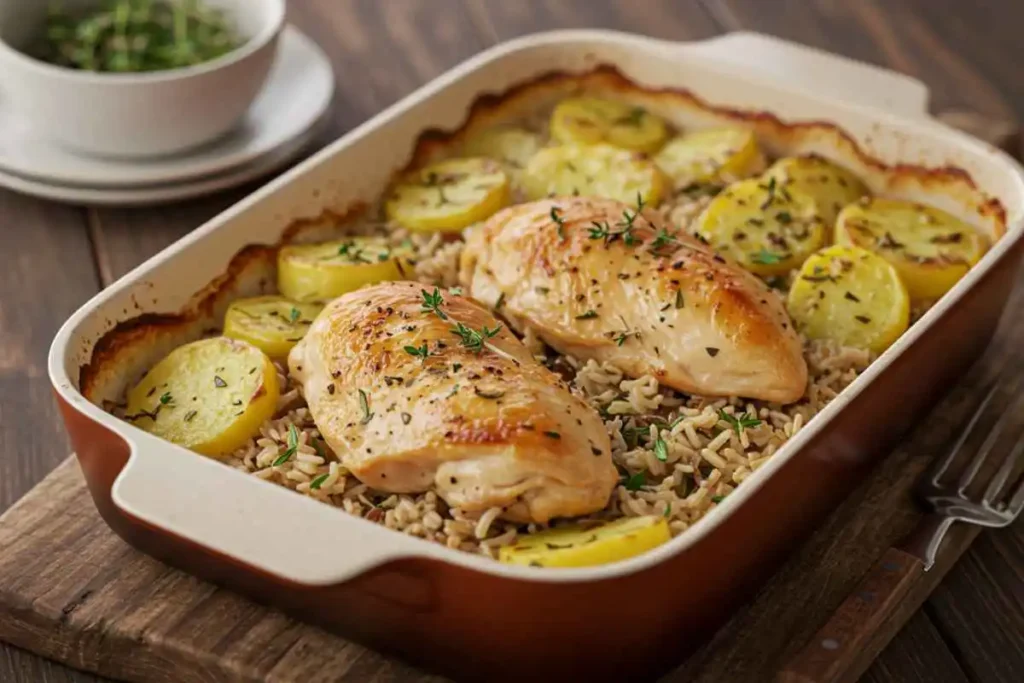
(73, 591)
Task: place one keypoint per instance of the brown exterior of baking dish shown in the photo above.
(477, 625)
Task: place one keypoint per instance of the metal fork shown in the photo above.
(838, 653)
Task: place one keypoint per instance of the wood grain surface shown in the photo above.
(970, 629)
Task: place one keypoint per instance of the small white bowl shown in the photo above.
(136, 114)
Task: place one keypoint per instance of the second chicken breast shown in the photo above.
(595, 278)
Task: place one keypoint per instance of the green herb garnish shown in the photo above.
(472, 339)
(661, 449)
(417, 352)
(588, 315)
(739, 423)
(364, 405)
(319, 481)
(293, 445)
(559, 221)
(166, 399)
(634, 482)
(432, 303)
(294, 314)
(125, 36)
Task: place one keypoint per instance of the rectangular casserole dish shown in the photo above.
(466, 615)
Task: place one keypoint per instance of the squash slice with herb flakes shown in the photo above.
(767, 228)
(576, 546)
(831, 185)
(450, 195)
(851, 296)
(592, 120)
(930, 248)
(210, 396)
(714, 156)
(271, 323)
(594, 171)
(321, 272)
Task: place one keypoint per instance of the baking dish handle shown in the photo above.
(183, 494)
(818, 72)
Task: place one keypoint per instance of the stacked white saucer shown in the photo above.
(281, 123)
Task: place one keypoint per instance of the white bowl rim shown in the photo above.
(267, 34)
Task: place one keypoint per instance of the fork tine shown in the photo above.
(987, 446)
(941, 466)
(1004, 473)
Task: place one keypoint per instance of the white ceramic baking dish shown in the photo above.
(431, 603)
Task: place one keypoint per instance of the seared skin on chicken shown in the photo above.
(593, 283)
(487, 427)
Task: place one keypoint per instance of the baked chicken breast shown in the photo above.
(595, 278)
(416, 389)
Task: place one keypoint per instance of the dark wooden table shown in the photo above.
(970, 630)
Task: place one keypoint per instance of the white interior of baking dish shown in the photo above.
(275, 530)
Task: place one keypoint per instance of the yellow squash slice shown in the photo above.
(511, 146)
(591, 120)
(210, 396)
(831, 185)
(930, 248)
(851, 296)
(714, 156)
(579, 547)
(271, 323)
(449, 195)
(321, 272)
(767, 228)
(594, 171)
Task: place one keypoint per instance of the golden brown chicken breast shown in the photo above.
(416, 389)
(594, 279)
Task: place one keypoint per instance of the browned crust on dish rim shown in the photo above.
(433, 142)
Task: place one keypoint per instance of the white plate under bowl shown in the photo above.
(298, 92)
(161, 194)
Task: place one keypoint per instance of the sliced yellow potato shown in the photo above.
(594, 171)
(271, 323)
(714, 156)
(591, 120)
(509, 145)
(580, 547)
(831, 185)
(449, 195)
(210, 396)
(321, 272)
(851, 296)
(930, 248)
(765, 227)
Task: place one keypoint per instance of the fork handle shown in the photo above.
(834, 654)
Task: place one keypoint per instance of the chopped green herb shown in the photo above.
(634, 482)
(294, 314)
(740, 423)
(660, 449)
(293, 445)
(765, 257)
(588, 315)
(668, 511)
(364, 404)
(553, 435)
(319, 481)
(457, 291)
(417, 352)
(166, 398)
(454, 391)
(717, 499)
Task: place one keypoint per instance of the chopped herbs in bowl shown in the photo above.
(124, 36)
